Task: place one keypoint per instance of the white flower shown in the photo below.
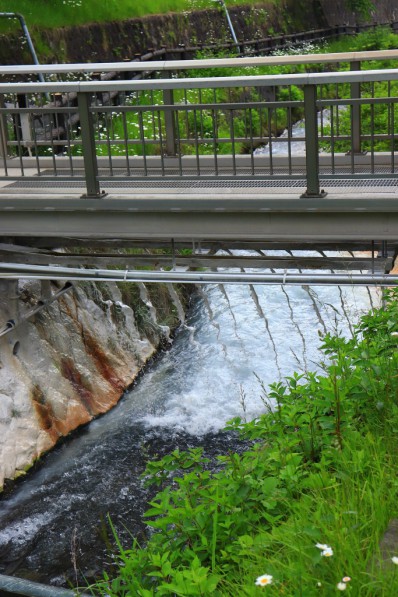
(265, 579)
(346, 579)
(394, 560)
(327, 553)
(394, 333)
(341, 586)
(322, 546)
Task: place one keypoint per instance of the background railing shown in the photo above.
(212, 127)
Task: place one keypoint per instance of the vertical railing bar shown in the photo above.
(36, 147)
(169, 120)
(352, 152)
(111, 135)
(186, 115)
(389, 106)
(289, 139)
(68, 139)
(88, 144)
(108, 140)
(337, 112)
(142, 138)
(271, 167)
(215, 141)
(126, 143)
(393, 137)
(332, 137)
(372, 139)
(232, 133)
(153, 117)
(52, 147)
(178, 141)
(356, 111)
(161, 148)
(251, 143)
(201, 114)
(321, 112)
(261, 123)
(196, 142)
(245, 118)
(17, 126)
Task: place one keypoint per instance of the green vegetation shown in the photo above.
(241, 130)
(304, 507)
(62, 13)
(361, 7)
(382, 116)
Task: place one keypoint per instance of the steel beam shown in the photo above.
(335, 219)
(197, 261)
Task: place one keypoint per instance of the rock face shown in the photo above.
(337, 13)
(69, 364)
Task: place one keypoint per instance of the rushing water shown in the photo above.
(55, 520)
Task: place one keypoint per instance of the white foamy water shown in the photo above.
(243, 334)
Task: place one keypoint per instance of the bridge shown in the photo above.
(177, 167)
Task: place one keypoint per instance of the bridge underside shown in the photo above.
(32, 227)
(201, 223)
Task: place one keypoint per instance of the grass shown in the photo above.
(62, 13)
(321, 469)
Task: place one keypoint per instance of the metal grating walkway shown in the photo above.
(368, 185)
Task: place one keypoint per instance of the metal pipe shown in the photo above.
(173, 65)
(17, 15)
(20, 586)
(11, 324)
(206, 82)
(231, 27)
(12, 271)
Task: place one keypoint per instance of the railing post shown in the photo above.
(355, 112)
(311, 143)
(169, 120)
(88, 143)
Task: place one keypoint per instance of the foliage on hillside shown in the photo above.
(59, 13)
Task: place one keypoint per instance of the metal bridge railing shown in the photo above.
(209, 128)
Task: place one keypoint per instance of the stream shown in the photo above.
(53, 526)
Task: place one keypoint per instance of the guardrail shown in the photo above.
(196, 127)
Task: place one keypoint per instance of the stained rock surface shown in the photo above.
(68, 364)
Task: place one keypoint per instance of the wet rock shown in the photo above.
(73, 363)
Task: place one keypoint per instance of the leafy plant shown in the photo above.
(316, 483)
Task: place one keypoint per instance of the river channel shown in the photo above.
(53, 525)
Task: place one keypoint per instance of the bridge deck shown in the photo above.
(201, 210)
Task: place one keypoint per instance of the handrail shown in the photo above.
(203, 83)
(172, 65)
(182, 123)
